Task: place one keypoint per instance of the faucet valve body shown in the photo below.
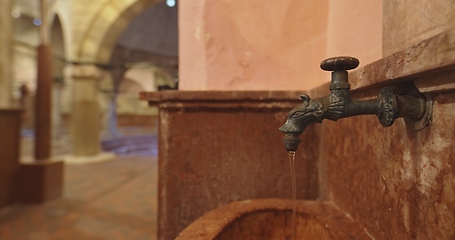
(291, 142)
(387, 107)
(415, 108)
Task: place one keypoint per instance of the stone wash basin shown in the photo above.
(271, 219)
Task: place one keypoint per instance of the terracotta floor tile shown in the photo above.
(105, 201)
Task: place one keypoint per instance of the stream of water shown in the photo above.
(294, 190)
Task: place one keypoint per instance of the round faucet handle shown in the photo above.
(339, 63)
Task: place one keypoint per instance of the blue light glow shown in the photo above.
(170, 3)
(37, 22)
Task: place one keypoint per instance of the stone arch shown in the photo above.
(60, 10)
(141, 76)
(164, 77)
(130, 87)
(152, 77)
(111, 21)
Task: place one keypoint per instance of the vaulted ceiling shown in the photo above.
(154, 31)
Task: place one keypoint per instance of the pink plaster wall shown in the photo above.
(192, 57)
(355, 29)
(251, 45)
(272, 45)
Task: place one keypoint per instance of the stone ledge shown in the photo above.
(223, 99)
(419, 62)
(173, 95)
(429, 64)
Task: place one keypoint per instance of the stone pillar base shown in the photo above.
(100, 157)
(9, 153)
(40, 181)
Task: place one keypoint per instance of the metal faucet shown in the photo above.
(414, 106)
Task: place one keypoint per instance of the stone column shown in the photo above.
(26, 103)
(43, 104)
(117, 75)
(5, 53)
(86, 116)
(57, 111)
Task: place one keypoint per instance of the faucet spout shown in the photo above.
(338, 104)
(299, 118)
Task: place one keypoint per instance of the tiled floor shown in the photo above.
(110, 200)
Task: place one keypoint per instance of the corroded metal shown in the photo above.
(387, 107)
(415, 107)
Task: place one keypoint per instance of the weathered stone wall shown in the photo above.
(409, 22)
(394, 178)
(397, 178)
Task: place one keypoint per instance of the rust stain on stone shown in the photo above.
(394, 178)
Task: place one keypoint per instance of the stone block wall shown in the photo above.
(220, 147)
